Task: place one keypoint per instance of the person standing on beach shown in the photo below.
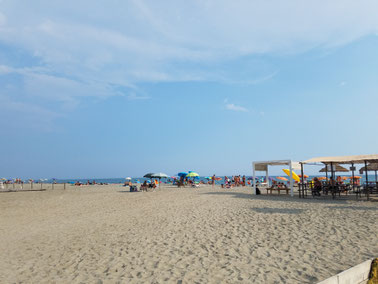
(213, 180)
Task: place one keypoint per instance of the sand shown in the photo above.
(104, 234)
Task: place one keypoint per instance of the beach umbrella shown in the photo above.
(282, 178)
(322, 178)
(337, 168)
(128, 178)
(295, 176)
(192, 174)
(370, 167)
(182, 174)
(159, 175)
(305, 176)
(149, 175)
(355, 177)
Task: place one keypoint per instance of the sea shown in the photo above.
(371, 178)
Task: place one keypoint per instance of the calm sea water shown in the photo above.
(141, 180)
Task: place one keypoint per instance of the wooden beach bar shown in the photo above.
(332, 164)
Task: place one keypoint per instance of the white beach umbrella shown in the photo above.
(159, 176)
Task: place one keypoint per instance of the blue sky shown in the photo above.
(94, 91)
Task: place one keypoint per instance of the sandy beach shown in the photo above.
(105, 234)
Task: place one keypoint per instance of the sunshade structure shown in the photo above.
(282, 178)
(295, 176)
(336, 168)
(356, 159)
(149, 175)
(192, 174)
(352, 160)
(159, 176)
(263, 166)
(370, 168)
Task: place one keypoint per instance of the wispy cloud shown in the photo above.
(143, 41)
(93, 53)
(342, 84)
(234, 107)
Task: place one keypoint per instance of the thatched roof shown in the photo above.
(370, 167)
(337, 168)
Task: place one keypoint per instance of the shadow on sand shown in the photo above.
(326, 199)
(23, 190)
(267, 210)
(360, 208)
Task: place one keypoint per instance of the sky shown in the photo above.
(95, 90)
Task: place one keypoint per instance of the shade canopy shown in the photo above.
(282, 178)
(149, 175)
(370, 167)
(357, 159)
(295, 176)
(159, 175)
(192, 174)
(263, 165)
(336, 168)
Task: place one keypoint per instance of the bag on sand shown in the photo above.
(258, 192)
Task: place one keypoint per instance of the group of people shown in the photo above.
(276, 184)
(234, 181)
(78, 183)
(143, 187)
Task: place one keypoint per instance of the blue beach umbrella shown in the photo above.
(182, 174)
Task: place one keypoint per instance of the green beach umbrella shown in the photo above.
(192, 174)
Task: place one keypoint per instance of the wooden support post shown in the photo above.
(367, 181)
(302, 181)
(353, 179)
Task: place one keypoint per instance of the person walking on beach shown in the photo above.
(213, 180)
